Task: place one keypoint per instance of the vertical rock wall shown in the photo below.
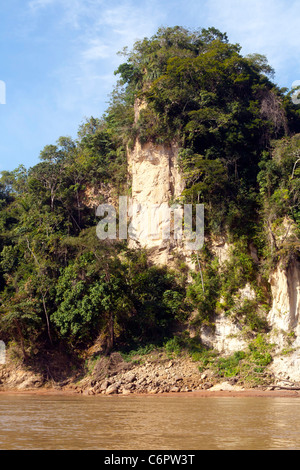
(283, 319)
(155, 183)
(285, 286)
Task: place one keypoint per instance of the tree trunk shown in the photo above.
(112, 330)
(111, 334)
(47, 318)
(19, 329)
(199, 265)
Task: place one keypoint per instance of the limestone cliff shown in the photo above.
(284, 320)
(285, 285)
(155, 183)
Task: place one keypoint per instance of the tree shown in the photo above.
(20, 316)
(91, 297)
(49, 173)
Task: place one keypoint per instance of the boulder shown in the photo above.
(130, 378)
(104, 385)
(113, 388)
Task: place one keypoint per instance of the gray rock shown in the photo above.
(170, 364)
(104, 385)
(113, 388)
(207, 385)
(129, 386)
(130, 378)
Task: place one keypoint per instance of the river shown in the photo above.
(148, 423)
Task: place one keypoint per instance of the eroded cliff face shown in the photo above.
(226, 337)
(283, 319)
(156, 183)
(285, 286)
(154, 173)
(153, 169)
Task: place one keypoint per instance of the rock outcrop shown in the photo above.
(226, 337)
(285, 286)
(284, 320)
(156, 182)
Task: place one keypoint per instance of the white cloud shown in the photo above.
(86, 77)
(96, 50)
(99, 30)
(74, 45)
(36, 5)
(71, 12)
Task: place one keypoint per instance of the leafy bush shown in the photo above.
(230, 367)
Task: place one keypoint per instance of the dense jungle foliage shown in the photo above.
(239, 154)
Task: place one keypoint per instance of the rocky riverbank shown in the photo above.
(157, 373)
(154, 373)
(109, 375)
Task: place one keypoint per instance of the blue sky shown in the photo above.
(57, 57)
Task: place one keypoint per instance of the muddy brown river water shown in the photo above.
(148, 422)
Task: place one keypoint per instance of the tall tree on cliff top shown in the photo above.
(221, 108)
